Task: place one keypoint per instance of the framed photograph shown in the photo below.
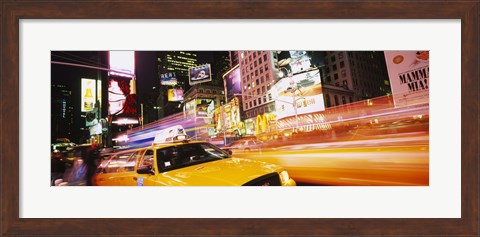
(446, 205)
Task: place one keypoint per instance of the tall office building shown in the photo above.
(257, 77)
(350, 76)
(177, 62)
(173, 64)
(233, 58)
(61, 112)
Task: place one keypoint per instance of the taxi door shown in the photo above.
(146, 169)
(129, 173)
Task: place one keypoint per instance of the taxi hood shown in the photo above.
(225, 172)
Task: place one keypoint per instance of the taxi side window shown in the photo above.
(132, 161)
(148, 160)
(119, 163)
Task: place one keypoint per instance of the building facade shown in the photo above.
(350, 76)
(61, 112)
(257, 78)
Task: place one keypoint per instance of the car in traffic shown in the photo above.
(179, 161)
(245, 145)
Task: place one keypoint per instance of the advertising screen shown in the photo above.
(204, 108)
(232, 82)
(175, 94)
(294, 61)
(189, 109)
(88, 95)
(409, 75)
(122, 61)
(300, 61)
(121, 100)
(302, 90)
(199, 74)
(168, 79)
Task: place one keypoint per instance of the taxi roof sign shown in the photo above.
(171, 134)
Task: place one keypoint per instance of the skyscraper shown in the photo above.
(173, 64)
(61, 112)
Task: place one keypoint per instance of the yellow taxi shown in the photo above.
(178, 161)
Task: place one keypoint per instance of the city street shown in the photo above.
(394, 160)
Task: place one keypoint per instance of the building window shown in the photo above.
(335, 76)
(261, 79)
(263, 89)
(340, 55)
(336, 99)
(265, 57)
(344, 101)
(342, 64)
(255, 103)
(266, 67)
(345, 84)
(269, 96)
(327, 99)
(259, 101)
(250, 104)
(332, 59)
(255, 63)
(256, 72)
(258, 91)
(351, 100)
(344, 74)
(264, 99)
(260, 60)
(334, 67)
(329, 79)
(261, 70)
(201, 90)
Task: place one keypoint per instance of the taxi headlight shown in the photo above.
(284, 176)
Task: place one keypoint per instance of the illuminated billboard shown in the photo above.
(228, 116)
(175, 94)
(409, 76)
(88, 95)
(232, 82)
(199, 74)
(200, 108)
(122, 63)
(302, 90)
(121, 98)
(168, 79)
(294, 61)
(300, 61)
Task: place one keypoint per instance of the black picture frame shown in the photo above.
(12, 11)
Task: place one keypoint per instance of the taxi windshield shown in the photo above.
(180, 156)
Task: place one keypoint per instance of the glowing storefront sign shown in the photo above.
(227, 117)
(304, 88)
(199, 108)
(88, 95)
(262, 123)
